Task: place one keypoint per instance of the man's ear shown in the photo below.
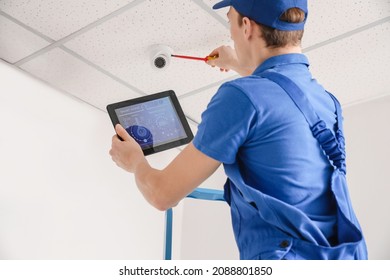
(248, 27)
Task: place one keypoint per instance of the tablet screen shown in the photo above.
(156, 122)
(152, 123)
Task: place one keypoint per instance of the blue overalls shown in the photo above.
(268, 228)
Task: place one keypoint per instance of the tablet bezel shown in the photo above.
(176, 105)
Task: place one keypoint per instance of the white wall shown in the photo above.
(61, 196)
(368, 168)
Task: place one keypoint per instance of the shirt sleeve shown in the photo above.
(226, 124)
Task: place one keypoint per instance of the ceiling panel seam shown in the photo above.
(201, 4)
(364, 100)
(83, 59)
(136, 2)
(192, 120)
(100, 69)
(199, 90)
(211, 12)
(346, 34)
(78, 98)
(70, 95)
(79, 32)
(79, 57)
(76, 55)
(28, 28)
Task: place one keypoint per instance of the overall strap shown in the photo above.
(339, 124)
(332, 144)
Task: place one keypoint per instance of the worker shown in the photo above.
(279, 136)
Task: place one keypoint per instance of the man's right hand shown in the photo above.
(227, 60)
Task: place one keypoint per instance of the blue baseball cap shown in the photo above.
(267, 12)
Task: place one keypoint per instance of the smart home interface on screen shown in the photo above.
(152, 123)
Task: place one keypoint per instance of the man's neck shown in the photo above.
(266, 53)
(260, 53)
(284, 50)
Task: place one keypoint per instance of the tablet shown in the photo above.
(155, 121)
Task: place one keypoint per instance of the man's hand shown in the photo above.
(162, 188)
(227, 60)
(127, 154)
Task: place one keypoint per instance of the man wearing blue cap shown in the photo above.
(278, 134)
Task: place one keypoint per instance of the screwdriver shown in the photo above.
(205, 59)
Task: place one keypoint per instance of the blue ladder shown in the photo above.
(199, 193)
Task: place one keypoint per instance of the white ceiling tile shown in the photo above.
(17, 42)
(194, 105)
(59, 18)
(119, 47)
(121, 44)
(331, 18)
(356, 68)
(71, 75)
(220, 12)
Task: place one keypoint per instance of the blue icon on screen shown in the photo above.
(141, 135)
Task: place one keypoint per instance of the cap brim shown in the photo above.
(222, 4)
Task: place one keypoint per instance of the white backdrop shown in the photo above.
(61, 196)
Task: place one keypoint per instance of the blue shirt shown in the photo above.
(253, 122)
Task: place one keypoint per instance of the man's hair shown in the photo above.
(277, 38)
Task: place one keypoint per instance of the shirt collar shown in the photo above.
(283, 59)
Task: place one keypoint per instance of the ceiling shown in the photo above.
(97, 50)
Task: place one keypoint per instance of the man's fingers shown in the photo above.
(115, 138)
(121, 132)
(215, 52)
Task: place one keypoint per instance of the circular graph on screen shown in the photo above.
(141, 135)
